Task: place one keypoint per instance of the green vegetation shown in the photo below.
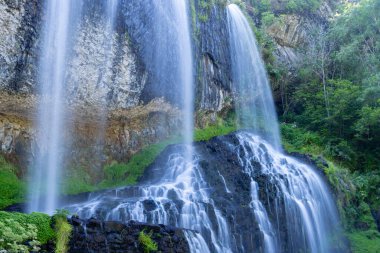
(78, 180)
(337, 94)
(222, 126)
(63, 231)
(300, 6)
(355, 191)
(15, 237)
(12, 189)
(147, 243)
(365, 242)
(27, 232)
(287, 6)
(29, 221)
(121, 174)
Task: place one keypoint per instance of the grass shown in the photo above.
(212, 131)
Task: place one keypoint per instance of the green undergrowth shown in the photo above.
(12, 189)
(365, 241)
(356, 192)
(21, 232)
(41, 221)
(212, 131)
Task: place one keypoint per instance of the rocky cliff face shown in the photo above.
(210, 32)
(114, 80)
(293, 31)
(20, 23)
(125, 133)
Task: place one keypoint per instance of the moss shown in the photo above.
(41, 221)
(12, 189)
(147, 243)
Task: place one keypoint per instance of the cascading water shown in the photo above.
(310, 212)
(179, 198)
(51, 113)
(311, 219)
(253, 98)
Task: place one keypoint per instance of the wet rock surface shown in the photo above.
(98, 236)
(126, 132)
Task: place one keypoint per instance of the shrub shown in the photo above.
(41, 221)
(16, 237)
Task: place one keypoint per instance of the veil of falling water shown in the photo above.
(253, 97)
(49, 153)
(109, 46)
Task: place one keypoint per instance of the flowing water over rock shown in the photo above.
(51, 120)
(298, 192)
(253, 97)
(179, 197)
(239, 194)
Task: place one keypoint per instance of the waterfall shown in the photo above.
(170, 59)
(280, 204)
(252, 94)
(49, 155)
(311, 216)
